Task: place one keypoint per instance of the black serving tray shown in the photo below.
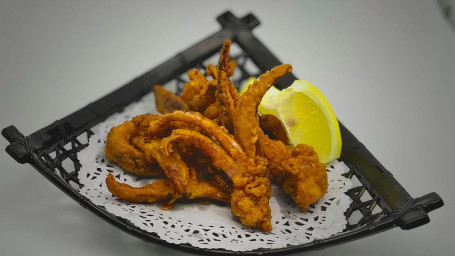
(379, 202)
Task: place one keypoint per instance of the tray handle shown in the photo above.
(19, 148)
(416, 214)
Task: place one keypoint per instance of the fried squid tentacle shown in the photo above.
(163, 191)
(246, 120)
(207, 96)
(196, 82)
(250, 201)
(298, 171)
(273, 127)
(220, 159)
(225, 103)
(167, 101)
(199, 93)
(224, 98)
(119, 150)
(160, 190)
(174, 167)
(213, 130)
(212, 111)
(252, 191)
(141, 122)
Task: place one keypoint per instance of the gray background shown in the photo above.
(387, 67)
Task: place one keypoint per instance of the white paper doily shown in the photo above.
(210, 226)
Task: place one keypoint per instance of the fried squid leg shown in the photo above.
(167, 101)
(220, 159)
(198, 93)
(252, 190)
(226, 95)
(246, 120)
(174, 167)
(273, 127)
(163, 191)
(212, 129)
(119, 150)
(298, 171)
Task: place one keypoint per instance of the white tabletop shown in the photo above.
(387, 68)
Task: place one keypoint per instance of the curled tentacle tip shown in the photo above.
(110, 176)
(289, 67)
(165, 147)
(110, 181)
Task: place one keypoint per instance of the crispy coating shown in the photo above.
(252, 189)
(174, 167)
(160, 190)
(225, 103)
(212, 71)
(212, 111)
(194, 86)
(119, 150)
(219, 157)
(226, 94)
(298, 171)
(213, 130)
(199, 161)
(204, 99)
(245, 119)
(273, 127)
(250, 202)
(167, 101)
(163, 191)
(198, 93)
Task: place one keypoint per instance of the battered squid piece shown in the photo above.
(204, 98)
(250, 200)
(252, 191)
(163, 191)
(213, 130)
(199, 161)
(213, 71)
(141, 122)
(298, 171)
(197, 81)
(226, 94)
(119, 149)
(158, 191)
(273, 127)
(220, 158)
(212, 111)
(225, 102)
(174, 167)
(198, 93)
(245, 119)
(167, 102)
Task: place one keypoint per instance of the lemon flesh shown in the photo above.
(306, 116)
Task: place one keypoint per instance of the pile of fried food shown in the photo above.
(210, 143)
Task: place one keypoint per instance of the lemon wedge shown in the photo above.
(306, 116)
